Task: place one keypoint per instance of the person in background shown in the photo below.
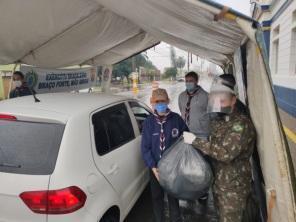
(160, 131)
(20, 86)
(193, 106)
(231, 145)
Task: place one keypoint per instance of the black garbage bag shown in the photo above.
(184, 173)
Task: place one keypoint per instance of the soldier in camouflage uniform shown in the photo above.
(230, 146)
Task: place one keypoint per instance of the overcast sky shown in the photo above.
(160, 55)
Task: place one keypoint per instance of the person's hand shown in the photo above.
(156, 173)
(189, 137)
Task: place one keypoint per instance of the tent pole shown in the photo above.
(188, 62)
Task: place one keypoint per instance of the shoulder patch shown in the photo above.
(238, 127)
(175, 133)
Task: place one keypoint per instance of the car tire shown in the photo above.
(109, 218)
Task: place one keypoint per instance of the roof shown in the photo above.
(103, 32)
(58, 106)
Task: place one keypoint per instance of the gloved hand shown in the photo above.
(156, 173)
(189, 137)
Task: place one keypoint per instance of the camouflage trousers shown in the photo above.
(230, 205)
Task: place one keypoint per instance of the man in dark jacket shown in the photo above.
(21, 88)
(160, 131)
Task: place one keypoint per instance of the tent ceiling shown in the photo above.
(60, 33)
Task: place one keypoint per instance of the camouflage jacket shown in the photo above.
(230, 146)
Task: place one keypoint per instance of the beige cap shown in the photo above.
(159, 94)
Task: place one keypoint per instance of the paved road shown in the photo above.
(142, 211)
(173, 91)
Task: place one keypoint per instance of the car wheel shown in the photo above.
(109, 218)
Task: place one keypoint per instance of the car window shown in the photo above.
(29, 147)
(140, 112)
(112, 128)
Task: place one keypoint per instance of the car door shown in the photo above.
(115, 150)
(139, 113)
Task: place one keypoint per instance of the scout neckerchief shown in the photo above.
(187, 108)
(161, 121)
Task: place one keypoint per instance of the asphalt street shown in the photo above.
(173, 89)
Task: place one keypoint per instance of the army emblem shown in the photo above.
(238, 128)
(175, 133)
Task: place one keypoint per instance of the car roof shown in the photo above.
(58, 106)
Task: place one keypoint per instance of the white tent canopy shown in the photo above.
(66, 32)
(60, 33)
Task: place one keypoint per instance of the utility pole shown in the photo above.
(133, 63)
(188, 62)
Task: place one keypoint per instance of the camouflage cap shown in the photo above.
(159, 94)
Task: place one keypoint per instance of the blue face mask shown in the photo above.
(190, 86)
(161, 107)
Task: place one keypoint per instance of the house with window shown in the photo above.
(278, 20)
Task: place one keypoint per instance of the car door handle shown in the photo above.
(113, 169)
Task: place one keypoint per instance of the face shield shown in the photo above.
(220, 98)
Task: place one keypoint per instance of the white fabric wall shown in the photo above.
(271, 147)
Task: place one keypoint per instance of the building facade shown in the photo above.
(5, 81)
(278, 19)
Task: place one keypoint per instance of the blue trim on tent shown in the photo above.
(266, 23)
(265, 7)
(286, 99)
(266, 34)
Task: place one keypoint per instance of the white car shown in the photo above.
(70, 157)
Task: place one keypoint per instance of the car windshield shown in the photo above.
(29, 147)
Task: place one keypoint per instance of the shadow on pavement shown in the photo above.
(142, 211)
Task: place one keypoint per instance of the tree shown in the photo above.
(180, 63)
(171, 72)
(173, 57)
(143, 60)
(124, 68)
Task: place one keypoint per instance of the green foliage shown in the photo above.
(180, 62)
(173, 57)
(177, 62)
(124, 68)
(170, 72)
